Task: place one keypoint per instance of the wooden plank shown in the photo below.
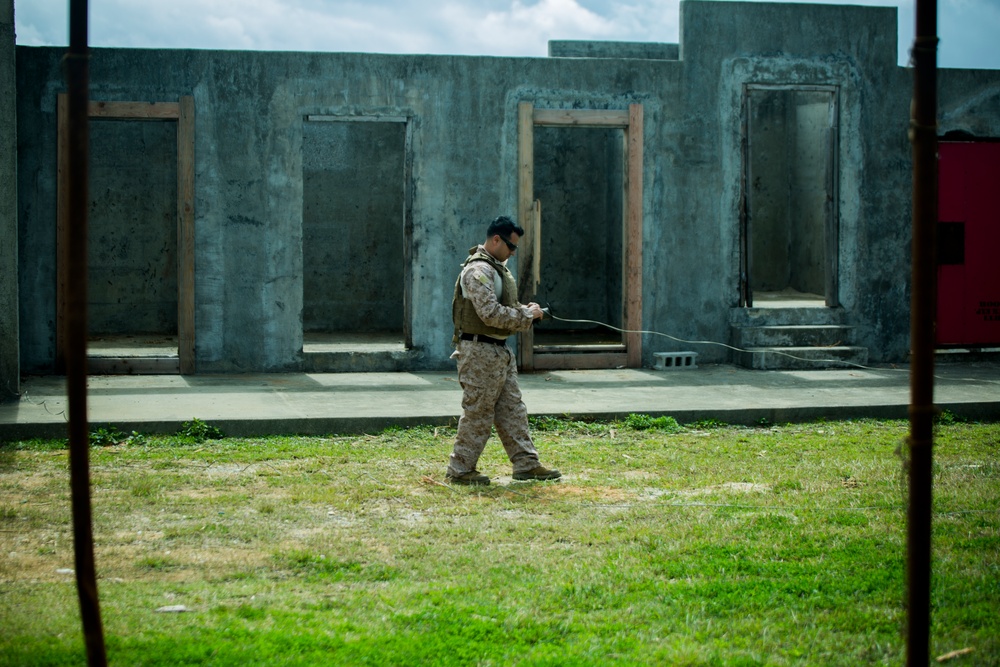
(407, 235)
(582, 117)
(62, 224)
(133, 365)
(536, 248)
(137, 110)
(831, 209)
(185, 236)
(553, 362)
(525, 209)
(357, 119)
(597, 347)
(633, 232)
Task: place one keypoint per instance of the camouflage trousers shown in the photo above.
(490, 397)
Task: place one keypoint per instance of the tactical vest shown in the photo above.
(463, 312)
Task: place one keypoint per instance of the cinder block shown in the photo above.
(666, 361)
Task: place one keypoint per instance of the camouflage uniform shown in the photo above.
(488, 375)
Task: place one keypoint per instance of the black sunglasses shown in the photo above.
(510, 246)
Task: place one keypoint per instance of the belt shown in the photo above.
(482, 338)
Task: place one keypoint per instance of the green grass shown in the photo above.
(664, 544)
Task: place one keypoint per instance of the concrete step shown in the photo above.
(786, 358)
(355, 361)
(800, 335)
(759, 317)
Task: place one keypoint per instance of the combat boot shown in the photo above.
(538, 473)
(473, 477)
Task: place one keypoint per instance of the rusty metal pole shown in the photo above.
(77, 71)
(923, 137)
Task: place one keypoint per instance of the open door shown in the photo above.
(580, 202)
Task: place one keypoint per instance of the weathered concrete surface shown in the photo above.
(250, 109)
(9, 347)
(252, 300)
(320, 404)
(569, 48)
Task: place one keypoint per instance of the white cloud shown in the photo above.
(967, 28)
(521, 29)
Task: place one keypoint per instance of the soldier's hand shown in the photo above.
(535, 310)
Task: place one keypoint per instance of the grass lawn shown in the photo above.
(662, 545)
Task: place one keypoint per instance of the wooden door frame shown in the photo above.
(182, 112)
(630, 120)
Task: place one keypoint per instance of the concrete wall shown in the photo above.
(727, 45)
(9, 359)
(250, 109)
(252, 166)
(568, 48)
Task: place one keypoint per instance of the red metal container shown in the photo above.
(968, 304)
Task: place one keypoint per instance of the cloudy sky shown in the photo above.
(968, 28)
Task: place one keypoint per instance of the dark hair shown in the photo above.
(503, 226)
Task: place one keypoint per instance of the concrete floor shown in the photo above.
(325, 403)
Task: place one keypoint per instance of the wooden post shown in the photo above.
(525, 210)
(923, 301)
(633, 232)
(77, 194)
(185, 235)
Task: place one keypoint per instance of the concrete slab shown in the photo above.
(261, 404)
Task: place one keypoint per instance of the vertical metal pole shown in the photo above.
(923, 136)
(77, 71)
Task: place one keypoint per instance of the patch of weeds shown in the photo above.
(199, 431)
(546, 423)
(105, 436)
(109, 436)
(949, 418)
(646, 423)
(708, 424)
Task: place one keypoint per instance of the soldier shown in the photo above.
(485, 311)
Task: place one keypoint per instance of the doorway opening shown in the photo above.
(140, 305)
(355, 235)
(578, 176)
(580, 192)
(789, 231)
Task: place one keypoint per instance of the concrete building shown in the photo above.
(260, 211)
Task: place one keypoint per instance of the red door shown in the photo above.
(968, 305)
